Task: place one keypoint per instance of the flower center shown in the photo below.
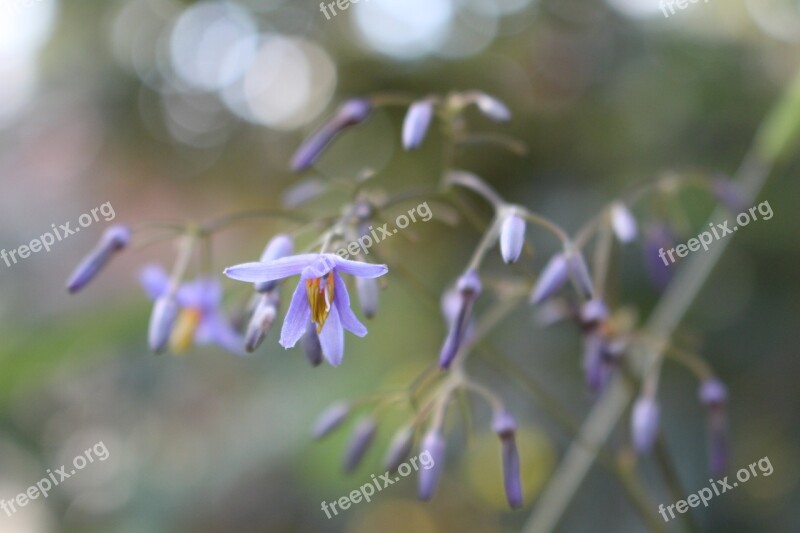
(183, 332)
(320, 298)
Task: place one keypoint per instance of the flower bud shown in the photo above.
(644, 424)
(263, 316)
(468, 289)
(311, 345)
(367, 290)
(554, 275)
(492, 107)
(714, 395)
(659, 237)
(360, 441)
(505, 426)
(279, 246)
(114, 239)
(415, 126)
(580, 273)
(330, 419)
(593, 313)
(623, 223)
(433, 444)
(162, 318)
(512, 238)
(399, 448)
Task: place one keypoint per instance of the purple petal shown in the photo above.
(331, 338)
(216, 329)
(278, 247)
(341, 300)
(154, 281)
(323, 264)
(201, 293)
(357, 268)
(278, 269)
(297, 317)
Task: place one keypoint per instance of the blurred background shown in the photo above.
(176, 110)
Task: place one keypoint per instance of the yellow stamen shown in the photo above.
(182, 334)
(320, 299)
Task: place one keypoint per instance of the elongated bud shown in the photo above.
(162, 318)
(415, 126)
(623, 223)
(368, 290)
(311, 345)
(644, 424)
(349, 114)
(506, 427)
(468, 289)
(580, 273)
(330, 419)
(714, 395)
(399, 448)
(492, 107)
(279, 246)
(554, 275)
(728, 194)
(433, 444)
(263, 316)
(512, 238)
(360, 441)
(114, 239)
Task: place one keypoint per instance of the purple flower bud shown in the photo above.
(554, 275)
(644, 424)
(492, 107)
(433, 444)
(512, 238)
(263, 316)
(468, 289)
(165, 310)
(623, 222)
(713, 393)
(279, 246)
(593, 313)
(349, 114)
(415, 126)
(399, 448)
(360, 441)
(728, 194)
(600, 355)
(311, 345)
(114, 239)
(505, 426)
(659, 238)
(580, 273)
(330, 419)
(367, 290)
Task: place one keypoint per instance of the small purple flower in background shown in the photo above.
(504, 425)
(330, 419)
(199, 318)
(512, 237)
(349, 114)
(114, 239)
(360, 441)
(623, 223)
(714, 396)
(491, 107)
(468, 288)
(428, 480)
(321, 296)
(644, 424)
(557, 272)
(416, 124)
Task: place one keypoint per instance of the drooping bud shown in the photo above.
(399, 448)
(505, 426)
(714, 395)
(468, 289)
(279, 246)
(644, 424)
(512, 238)
(360, 441)
(263, 316)
(162, 318)
(311, 345)
(434, 445)
(415, 126)
(554, 275)
(349, 114)
(492, 107)
(368, 290)
(330, 419)
(623, 223)
(114, 239)
(580, 273)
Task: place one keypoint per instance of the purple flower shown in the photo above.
(321, 296)
(623, 223)
(279, 246)
(505, 426)
(114, 239)
(512, 238)
(468, 288)
(349, 114)
(434, 445)
(330, 419)
(416, 123)
(199, 318)
(644, 424)
(360, 441)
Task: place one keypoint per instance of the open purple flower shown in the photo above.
(321, 296)
(200, 319)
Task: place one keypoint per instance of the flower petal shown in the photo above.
(216, 329)
(297, 317)
(323, 264)
(278, 269)
(331, 338)
(154, 281)
(357, 268)
(341, 301)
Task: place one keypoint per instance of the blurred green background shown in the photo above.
(178, 110)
